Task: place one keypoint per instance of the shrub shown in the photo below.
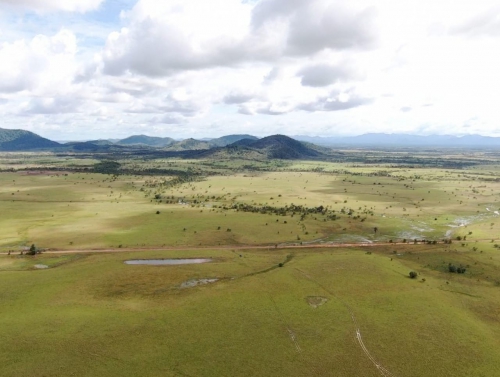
(32, 250)
(413, 275)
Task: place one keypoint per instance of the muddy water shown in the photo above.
(159, 262)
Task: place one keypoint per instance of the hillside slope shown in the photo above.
(21, 140)
(151, 141)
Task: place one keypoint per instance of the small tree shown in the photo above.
(413, 275)
(32, 250)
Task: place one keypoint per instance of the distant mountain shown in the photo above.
(189, 144)
(101, 142)
(243, 143)
(147, 140)
(21, 140)
(276, 146)
(405, 140)
(284, 147)
(230, 139)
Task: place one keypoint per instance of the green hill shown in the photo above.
(147, 140)
(21, 140)
(189, 145)
(230, 139)
(283, 147)
(271, 147)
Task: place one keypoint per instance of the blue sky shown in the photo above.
(85, 69)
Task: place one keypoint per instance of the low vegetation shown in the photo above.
(318, 267)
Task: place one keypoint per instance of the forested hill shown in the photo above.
(21, 140)
(270, 147)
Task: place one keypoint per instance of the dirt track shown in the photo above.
(230, 247)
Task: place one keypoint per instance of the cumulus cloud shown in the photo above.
(319, 75)
(315, 25)
(162, 40)
(51, 106)
(286, 62)
(335, 102)
(44, 62)
(486, 23)
(167, 119)
(55, 5)
(166, 37)
(272, 76)
(238, 98)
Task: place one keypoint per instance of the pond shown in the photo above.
(158, 262)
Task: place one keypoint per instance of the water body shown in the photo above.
(159, 262)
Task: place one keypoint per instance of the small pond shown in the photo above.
(158, 262)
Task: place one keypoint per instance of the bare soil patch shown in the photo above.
(316, 301)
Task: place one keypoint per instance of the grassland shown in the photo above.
(89, 314)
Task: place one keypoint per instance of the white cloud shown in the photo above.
(266, 65)
(43, 64)
(164, 38)
(51, 106)
(317, 24)
(319, 75)
(55, 5)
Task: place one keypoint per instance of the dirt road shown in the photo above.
(228, 247)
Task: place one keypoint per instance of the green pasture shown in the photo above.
(89, 314)
(87, 210)
(93, 315)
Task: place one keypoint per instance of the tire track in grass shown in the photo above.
(383, 371)
(293, 338)
(292, 335)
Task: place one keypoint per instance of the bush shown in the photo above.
(413, 275)
(32, 250)
(452, 268)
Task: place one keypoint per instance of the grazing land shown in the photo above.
(309, 271)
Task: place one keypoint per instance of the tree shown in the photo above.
(32, 250)
(413, 275)
(375, 230)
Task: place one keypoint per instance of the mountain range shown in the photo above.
(276, 146)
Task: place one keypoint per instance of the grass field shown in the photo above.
(84, 210)
(94, 315)
(329, 311)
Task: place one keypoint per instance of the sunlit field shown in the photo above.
(309, 270)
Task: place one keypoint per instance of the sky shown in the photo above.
(95, 69)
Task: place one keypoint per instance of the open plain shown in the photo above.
(309, 270)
